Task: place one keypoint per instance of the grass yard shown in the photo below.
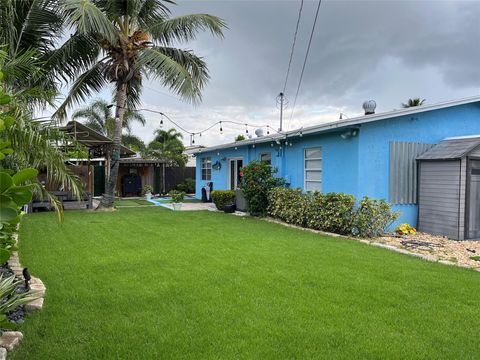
(132, 202)
(149, 283)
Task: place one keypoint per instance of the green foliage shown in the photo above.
(167, 146)
(372, 217)
(188, 186)
(177, 196)
(331, 212)
(221, 198)
(16, 188)
(239, 137)
(257, 180)
(146, 189)
(475, 258)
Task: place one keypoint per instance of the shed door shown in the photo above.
(474, 201)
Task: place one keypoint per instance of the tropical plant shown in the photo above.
(168, 146)
(413, 102)
(177, 196)
(187, 186)
(133, 142)
(239, 137)
(98, 116)
(147, 189)
(257, 180)
(405, 229)
(121, 42)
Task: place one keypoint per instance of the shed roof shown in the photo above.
(91, 139)
(451, 148)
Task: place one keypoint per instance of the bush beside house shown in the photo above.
(221, 198)
(331, 212)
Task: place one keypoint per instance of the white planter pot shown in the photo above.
(177, 206)
(148, 196)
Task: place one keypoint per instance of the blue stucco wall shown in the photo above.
(359, 165)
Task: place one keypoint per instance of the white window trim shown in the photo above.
(204, 161)
(305, 170)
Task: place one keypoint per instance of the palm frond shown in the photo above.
(91, 81)
(185, 28)
(180, 70)
(89, 19)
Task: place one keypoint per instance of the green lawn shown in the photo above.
(149, 283)
(131, 202)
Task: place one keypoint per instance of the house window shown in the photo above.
(313, 169)
(207, 168)
(266, 158)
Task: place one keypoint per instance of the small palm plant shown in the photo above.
(413, 102)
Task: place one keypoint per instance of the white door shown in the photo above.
(234, 173)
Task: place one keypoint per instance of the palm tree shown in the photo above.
(112, 41)
(98, 116)
(413, 102)
(133, 142)
(134, 39)
(168, 146)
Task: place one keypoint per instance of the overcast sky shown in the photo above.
(388, 51)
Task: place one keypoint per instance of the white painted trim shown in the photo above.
(230, 172)
(305, 170)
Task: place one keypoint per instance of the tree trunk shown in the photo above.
(121, 99)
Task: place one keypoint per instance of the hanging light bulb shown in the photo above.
(268, 130)
(246, 129)
(253, 146)
(193, 139)
(271, 144)
(291, 144)
(221, 130)
(200, 134)
(161, 120)
(301, 133)
(236, 148)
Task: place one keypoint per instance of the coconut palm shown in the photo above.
(413, 102)
(112, 42)
(134, 39)
(98, 116)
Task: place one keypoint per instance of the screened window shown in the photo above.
(207, 168)
(266, 158)
(313, 169)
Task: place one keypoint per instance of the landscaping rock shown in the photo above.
(36, 304)
(3, 354)
(10, 339)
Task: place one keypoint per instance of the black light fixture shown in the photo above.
(301, 133)
(221, 130)
(246, 128)
(268, 130)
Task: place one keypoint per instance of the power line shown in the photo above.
(305, 60)
(293, 45)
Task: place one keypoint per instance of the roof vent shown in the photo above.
(259, 132)
(369, 107)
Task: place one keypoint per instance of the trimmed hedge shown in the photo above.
(223, 197)
(331, 212)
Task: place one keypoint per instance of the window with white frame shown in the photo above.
(266, 158)
(313, 169)
(207, 168)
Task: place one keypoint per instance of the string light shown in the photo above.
(246, 128)
(221, 130)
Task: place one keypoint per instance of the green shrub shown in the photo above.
(223, 197)
(372, 217)
(331, 212)
(177, 196)
(257, 180)
(147, 189)
(288, 205)
(187, 186)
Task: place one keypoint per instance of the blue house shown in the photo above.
(372, 155)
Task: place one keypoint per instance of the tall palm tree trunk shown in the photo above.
(121, 98)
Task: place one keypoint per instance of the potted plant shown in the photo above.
(147, 191)
(177, 198)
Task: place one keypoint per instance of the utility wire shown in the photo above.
(305, 60)
(293, 45)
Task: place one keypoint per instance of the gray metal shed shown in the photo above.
(449, 188)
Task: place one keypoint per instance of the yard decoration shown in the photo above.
(177, 198)
(147, 191)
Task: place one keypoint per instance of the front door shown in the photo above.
(474, 201)
(234, 170)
